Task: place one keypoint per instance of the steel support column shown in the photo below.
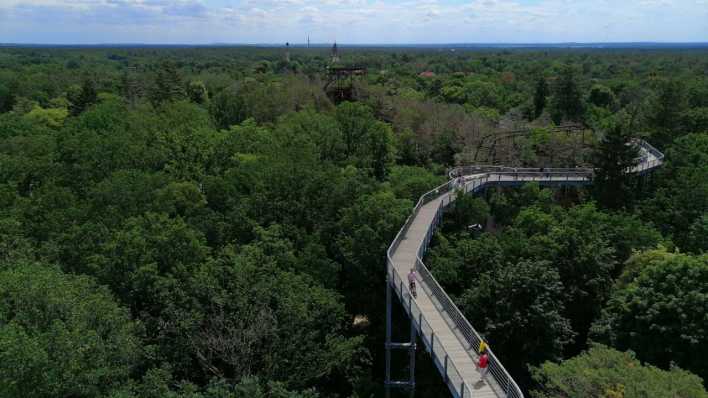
(388, 337)
(411, 354)
(410, 346)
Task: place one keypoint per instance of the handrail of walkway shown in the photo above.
(478, 169)
(486, 175)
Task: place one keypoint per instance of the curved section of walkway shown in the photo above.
(446, 333)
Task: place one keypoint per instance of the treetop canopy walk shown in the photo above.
(446, 334)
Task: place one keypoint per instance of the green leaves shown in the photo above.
(535, 285)
(367, 228)
(614, 156)
(659, 310)
(681, 198)
(519, 308)
(61, 335)
(607, 373)
(567, 101)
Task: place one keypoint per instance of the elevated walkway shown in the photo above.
(444, 330)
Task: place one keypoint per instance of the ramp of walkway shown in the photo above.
(444, 330)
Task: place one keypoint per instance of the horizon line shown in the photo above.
(360, 44)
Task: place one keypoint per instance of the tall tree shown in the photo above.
(567, 98)
(197, 92)
(666, 112)
(168, 85)
(7, 97)
(615, 155)
(602, 96)
(80, 99)
(539, 98)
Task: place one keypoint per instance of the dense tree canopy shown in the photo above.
(659, 310)
(213, 222)
(607, 373)
(62, 335)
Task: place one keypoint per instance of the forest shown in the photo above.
(213, 222)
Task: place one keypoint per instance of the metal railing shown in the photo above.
(504, 384)
(447, 368)
(645, 164)
(484, 175)
(451, 375)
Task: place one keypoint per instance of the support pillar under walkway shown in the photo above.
(410, 346)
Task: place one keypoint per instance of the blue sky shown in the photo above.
(351, 21)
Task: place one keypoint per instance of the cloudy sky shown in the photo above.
(351, 21)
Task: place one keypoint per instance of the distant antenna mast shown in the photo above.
(308, 41)
(335, 53)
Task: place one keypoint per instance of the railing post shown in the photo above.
(388, 335)
(508, 386)
(462, 390)
(411, 354)
(446, 377)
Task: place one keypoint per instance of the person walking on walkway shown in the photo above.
(411, 282)
(484, 365)
(482, 347)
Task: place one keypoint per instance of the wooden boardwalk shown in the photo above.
(451, 351)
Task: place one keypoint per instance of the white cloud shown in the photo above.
(370, 21)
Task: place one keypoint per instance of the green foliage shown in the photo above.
(681, 198)
(695, 119)
(468, 210)
(264, 101)
(168, 85)
(147, 257)
(606, 373)
(570, 256)
(158, 383)
(602, 96)
(286, 328)
(410, 182)
(368, 226)
(659, 311)
(567, 100)
(53, 117)
(61, 335)
(80, 98)
(7, 98)
(516, 302)
(698, 235)
(666, 109)
(614, 156)
(539, 99)
(243, 219)
(366, 139)
(197, 92)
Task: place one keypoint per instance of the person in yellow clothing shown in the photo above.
(482, 346)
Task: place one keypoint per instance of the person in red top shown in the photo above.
(484, 364)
